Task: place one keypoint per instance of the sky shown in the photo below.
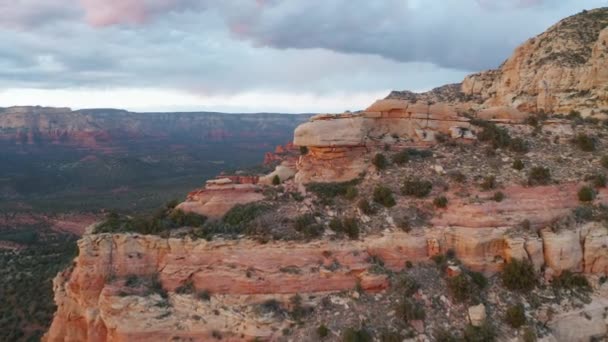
(289, 56)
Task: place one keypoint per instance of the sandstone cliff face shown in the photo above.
(562, 69)
(241, 273)
(339, 144)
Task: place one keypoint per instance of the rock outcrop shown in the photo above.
(222, 194)
(339, 144)
(562, 69)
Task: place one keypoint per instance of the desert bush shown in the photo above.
(322, 331)
(307, 225)
(347, 225)
(498, 196)
(519, 145)
(515, 316)
(384, 196)
(539, 176)
(584, 142)
(365, 207)
(380, 161)
(351, 193)
(416, 188)
(529, 335)
(571, 281)
(440, 202)
(244, 213)
(353, 335)
(498, 137)
(303, 150)
(519, 275)
(457, 176)
(479, 279)
(276, 180)
(488, 183)
(598, 180)
(410, 310)
(604, 161)
(518, 164)
(444, 335)
(204, 295)
(186, 288)
(484, 333)
(460, 287)
(586, 194)
(401, 157)
(329, 191)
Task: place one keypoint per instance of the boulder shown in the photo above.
(477, 315)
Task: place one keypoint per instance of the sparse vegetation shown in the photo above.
(354, 335)
(498, 137)
(519, 275)
(347, 225)
(584, 142)
(328, 191)
(410, 310)
(499, 196)
(380, 161)
(416, 188)
(322, 331)
(539, 176)
(571, 281)
(586, 194)
(384, 196)
(303, 150)
(276, 180)
(484, 333)
(440, 202)
(604, 162)
(307, 225)
(515, 316)
(365, 207)
(488, 183)
(518, 164)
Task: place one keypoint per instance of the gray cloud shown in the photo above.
(212, 47)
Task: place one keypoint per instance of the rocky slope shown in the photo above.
(560, 70)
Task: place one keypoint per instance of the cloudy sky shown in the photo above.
(254, 55)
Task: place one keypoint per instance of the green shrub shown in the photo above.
(457, 176)
(529, 335)
(303, 150)
(307, 225)
(351, 193)
(322, 331)
(498, 196)
(586, 194)
(518, 164)
(539, 176)
(515, 316)
(276, 180)
(380, 161)
(335, 224)
(204, 295)
(330, 190)
(479, 279)
(571, 281)
(498, 137)
(410, 310)
(598, 180)
(416, 188)
(352, 335)
(604, 161)
(440, 202)
(406, 285)
(444, 335)
(519, 275)
(488, 183)
(245, 213)
(365, 207)
(484, 333)
(401, 157)
(519, 145)
(186, 288)
(351, 227)
(384, 196)
(460, 287)
(585, 142)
